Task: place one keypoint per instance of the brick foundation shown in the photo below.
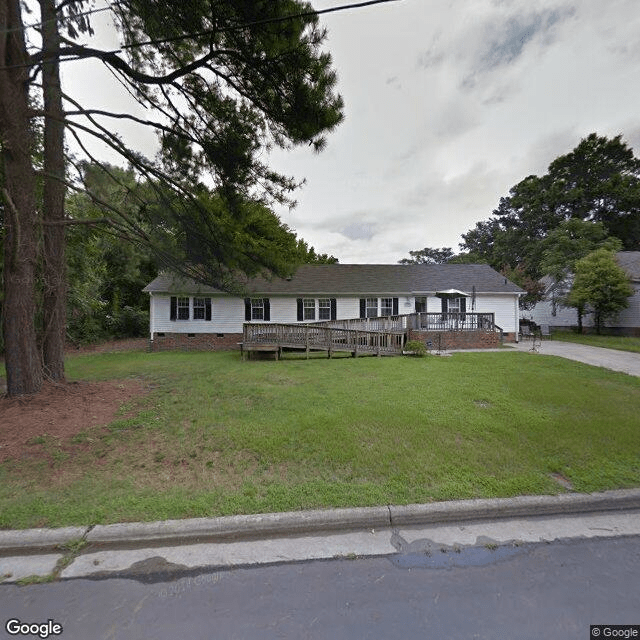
(457, 339)
(195, 342)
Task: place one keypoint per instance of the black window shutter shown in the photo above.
(247, 309)
(395, 306)
(300, 311)
(463, 305)
(363, 307)
(207, 313)
(334, 309)
(267, 309)
(174, 308)
(444, 305)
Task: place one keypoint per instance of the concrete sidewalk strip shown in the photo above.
(518, 531)
(14, 569)
(160, 562)
(231, 528)
(221, 554)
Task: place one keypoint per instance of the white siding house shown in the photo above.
(227, 315)
(184, 311)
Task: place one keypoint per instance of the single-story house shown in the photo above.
(185, 314)
(550, 311)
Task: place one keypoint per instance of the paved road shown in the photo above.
(534, 591)
(623, 361)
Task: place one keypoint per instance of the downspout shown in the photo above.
(151, 321)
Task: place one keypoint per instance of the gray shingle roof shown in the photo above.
(360, 279)
(169, 283)
(630, 262)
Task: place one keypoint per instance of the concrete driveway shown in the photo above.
(623, 361)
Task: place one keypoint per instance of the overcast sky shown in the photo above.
(448, 104)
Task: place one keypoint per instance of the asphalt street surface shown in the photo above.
(533, 590)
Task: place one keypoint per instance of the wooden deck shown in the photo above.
(310, 337)
(366, 336)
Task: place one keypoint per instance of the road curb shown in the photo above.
(240, 527)
(32, 540)
(518, 507)
(199, 530)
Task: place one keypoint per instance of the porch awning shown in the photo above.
(452, 293)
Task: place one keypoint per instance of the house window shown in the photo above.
(371, 308)
(453, 305)
(376, 307)
(199, 308)
(421, 304)
(183, 308)
(257, 308)
(309, 309)
(386, 306)
(324, 309)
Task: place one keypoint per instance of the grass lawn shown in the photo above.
(217, 436)
(621, 343)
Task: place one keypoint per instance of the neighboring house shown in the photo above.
(185, 314)
(550, 310)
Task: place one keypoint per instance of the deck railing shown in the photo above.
(385, 323)
(448, 321)
(454, 321)
(326, 338)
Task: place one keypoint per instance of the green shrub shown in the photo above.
(129, 322)
(416, 347)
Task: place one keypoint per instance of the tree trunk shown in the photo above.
(54, 267)
(22, 360)
(580, 312)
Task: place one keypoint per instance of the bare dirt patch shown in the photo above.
(59, 412)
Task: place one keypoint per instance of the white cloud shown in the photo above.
(448, 105)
